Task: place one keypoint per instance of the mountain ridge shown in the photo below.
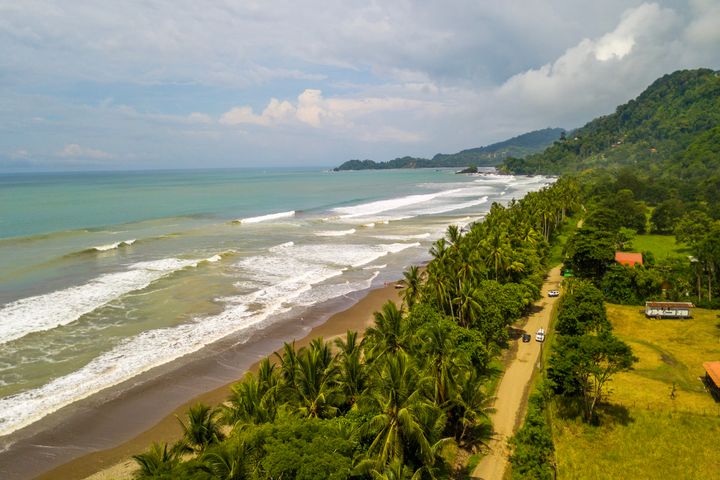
(489, 155)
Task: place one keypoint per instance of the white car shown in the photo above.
(540, 335)
(554, 293)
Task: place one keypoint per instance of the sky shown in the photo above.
(155, 84)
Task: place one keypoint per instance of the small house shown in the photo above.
(712, 378)
(629, 259)
(668, 309)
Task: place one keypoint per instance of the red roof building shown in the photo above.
(629, 258)
(712, 378)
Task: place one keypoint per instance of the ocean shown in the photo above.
(104, 276)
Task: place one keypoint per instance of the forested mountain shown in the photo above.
(672, 130)
(489, 155)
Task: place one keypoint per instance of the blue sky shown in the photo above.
(188, 84)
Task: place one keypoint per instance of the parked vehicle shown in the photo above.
(526, 337)
(540, 335)
(554, 293)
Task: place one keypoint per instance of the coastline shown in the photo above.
(115, 451)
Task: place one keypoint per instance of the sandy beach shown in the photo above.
(97, 439)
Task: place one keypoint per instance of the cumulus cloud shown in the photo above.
(703, 30)
(597, 74)
(312, 109)
(73, 150)
(321, 82)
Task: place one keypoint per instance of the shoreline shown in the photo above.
(113, 452)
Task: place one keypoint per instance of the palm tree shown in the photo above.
(249, 403)
(471, 406)
(228, 462)
(497, 251)
(388, 335)
(441, 361)
(158, 460)
(468, 306)
(267, 376)
(288, 366)
(453, 235)
(352, 376)
(397, 430)
(413, 282)
(203, 427)
(316, 381)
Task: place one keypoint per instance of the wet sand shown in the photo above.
(99, 434)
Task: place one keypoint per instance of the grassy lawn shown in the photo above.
(646, 433)
(661, 246)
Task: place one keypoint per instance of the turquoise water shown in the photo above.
(106, 275)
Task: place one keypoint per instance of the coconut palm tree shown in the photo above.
(352, 378)
(397, 431)
(316, 389)
(441, 361)
(203, 427)
(231, 461)
(412, 281)
(288, 368)
(471, 407)
(158, 460)
(388, 335)
(497, 251)
(467, 304)
(267, 376)
(249, 403)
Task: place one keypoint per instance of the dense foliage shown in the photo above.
(586, 354)
(670, 131)
(392, 403)
(489, 155)
(653, 165)
(532, 446)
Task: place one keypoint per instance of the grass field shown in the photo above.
(661, 246)
(645, 433)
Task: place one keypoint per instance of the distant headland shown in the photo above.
(487, 156)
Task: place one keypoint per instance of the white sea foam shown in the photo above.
(375, 267)
(266, 218)
(403, 238)
(335, 233)
(281, 246)
(51, 310)
(114, 246)
(454, 206)
(373, 208)
(156, 347)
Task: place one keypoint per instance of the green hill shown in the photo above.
(489, 155)
(670, 130)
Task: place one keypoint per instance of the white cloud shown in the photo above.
(184, 82)
(704, 29)
(240, 115)
(313, 109)
(73, 150)
(597, 74)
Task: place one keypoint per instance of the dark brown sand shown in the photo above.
(97, 434)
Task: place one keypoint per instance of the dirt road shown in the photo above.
(511, 400)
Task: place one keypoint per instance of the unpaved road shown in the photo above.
(511, 400)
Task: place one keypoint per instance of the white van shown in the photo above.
(540, 335)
